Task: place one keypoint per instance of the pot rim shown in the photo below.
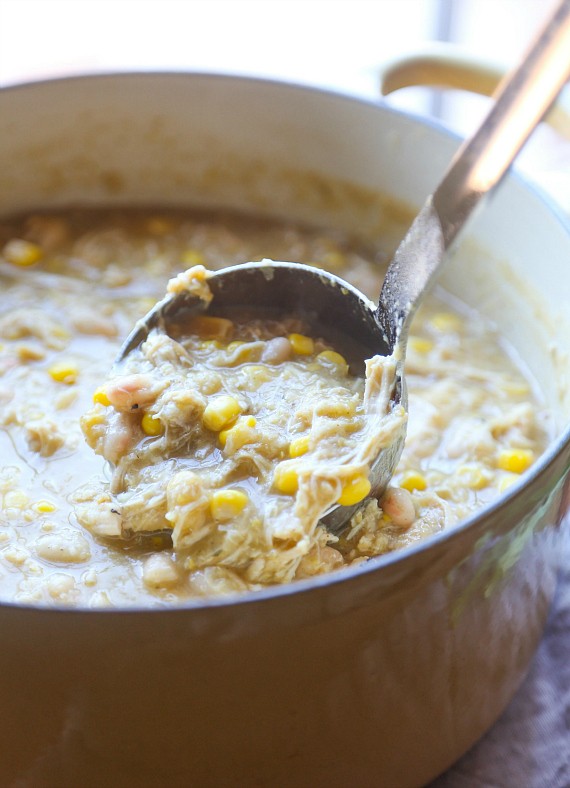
(530, 480)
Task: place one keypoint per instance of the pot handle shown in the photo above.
(445, 65)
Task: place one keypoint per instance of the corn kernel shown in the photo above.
(210, 327)
(241, 352)
(354, 490)
(413, 480)
(226, 504)
(299, 446)
(91, 419)
(446, 322)
(151, 425)
(301, 344)
(100, 396)
(23, 253)
(220, 412)
(420, 344)
(64, 372)
(285, 479)
(515, 460)
(240, 432)
(44, 507)
(331, 358)
(193, 257)
(473, 477)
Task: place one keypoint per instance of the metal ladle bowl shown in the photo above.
(339, 312)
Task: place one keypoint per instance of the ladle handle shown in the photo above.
(522, 100)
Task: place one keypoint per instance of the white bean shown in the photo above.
(131, 391)
(66, 547)
(397, 503)
(276, 351)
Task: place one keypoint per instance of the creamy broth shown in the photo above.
(74, 283)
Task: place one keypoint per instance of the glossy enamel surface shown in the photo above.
(383, 677)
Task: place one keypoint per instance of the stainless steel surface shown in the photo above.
(522, 100)
(286, 288)
(282, 287)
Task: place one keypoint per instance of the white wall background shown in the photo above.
(336, 43)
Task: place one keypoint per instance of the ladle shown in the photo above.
(339, 311)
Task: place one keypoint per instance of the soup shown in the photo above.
(75, 282)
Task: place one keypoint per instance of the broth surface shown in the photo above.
(75, 282)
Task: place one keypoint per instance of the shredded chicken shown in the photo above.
(175, 478)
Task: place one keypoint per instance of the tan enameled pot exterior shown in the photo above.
(378, 678)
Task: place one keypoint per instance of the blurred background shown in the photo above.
(337, 44)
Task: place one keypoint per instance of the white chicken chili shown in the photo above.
(211, 438)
